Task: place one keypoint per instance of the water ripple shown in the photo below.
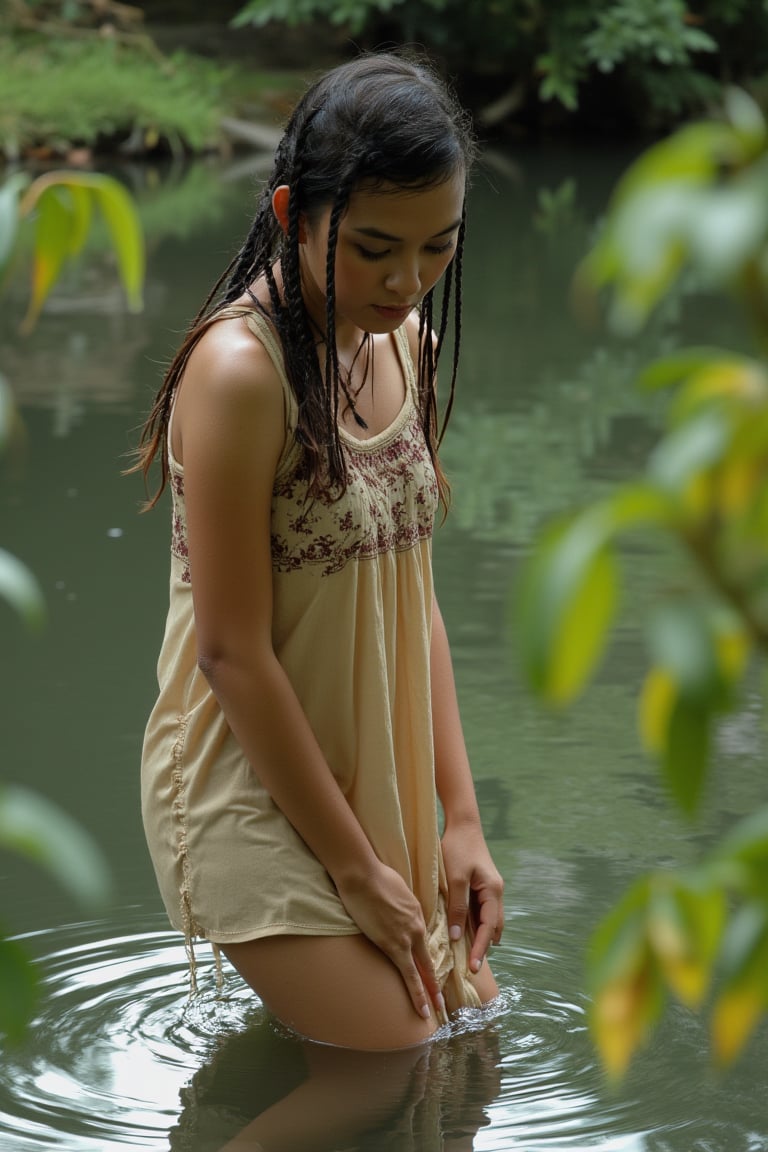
(121, 1057)
(115, 1041)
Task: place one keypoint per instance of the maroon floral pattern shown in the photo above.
(179, 546)
(389, 506)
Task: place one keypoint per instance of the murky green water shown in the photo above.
(120, 1057)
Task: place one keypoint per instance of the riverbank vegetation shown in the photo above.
(637, 65)
(89, 73)
(96, 82)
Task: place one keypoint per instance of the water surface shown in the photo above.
(120, 1056)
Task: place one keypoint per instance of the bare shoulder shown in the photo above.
(230, 381)
(229, 358)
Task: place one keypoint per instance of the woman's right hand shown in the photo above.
(387, 912)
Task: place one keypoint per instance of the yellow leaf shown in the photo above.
(686, 975)
(688, 978)
(736, 484)
(620, 1021)
(697, 495)
(657, 700)
(732, 652)
(737, 378)
(735, 1015)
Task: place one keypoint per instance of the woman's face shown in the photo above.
(393, 246)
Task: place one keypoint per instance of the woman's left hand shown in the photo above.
(475, 889)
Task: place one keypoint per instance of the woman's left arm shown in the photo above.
(474, 884)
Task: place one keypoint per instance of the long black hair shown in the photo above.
(383, 120)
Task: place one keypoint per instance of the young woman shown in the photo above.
(307, 713)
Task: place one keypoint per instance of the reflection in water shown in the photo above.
(267, 1090)
(120, 1056)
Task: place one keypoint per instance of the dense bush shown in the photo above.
(650, 60)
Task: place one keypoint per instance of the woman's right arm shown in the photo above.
(228, 432)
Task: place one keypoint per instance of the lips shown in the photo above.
(393, 313)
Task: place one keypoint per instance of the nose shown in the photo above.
(404, 280)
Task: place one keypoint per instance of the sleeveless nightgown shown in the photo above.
(351, 626)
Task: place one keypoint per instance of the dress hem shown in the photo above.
(269, 930)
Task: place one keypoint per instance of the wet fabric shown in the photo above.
(351, 627)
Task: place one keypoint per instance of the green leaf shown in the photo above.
(748, 840)
(741, 858)
(567, 573)
(694, 154)
(568, 591)
(686, 755)
(19, 990)
(675, 368)
(745, 115)
(81, 213)
(127, 237)
(745, 947)
(20, 588)
(35, 828)
(52, 241)
(583, 628)
(64, 208)
(688, 450)
(681, 638)
(616, 944)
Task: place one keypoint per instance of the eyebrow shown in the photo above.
(377, 234)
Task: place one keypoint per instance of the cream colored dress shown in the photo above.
(351, 627)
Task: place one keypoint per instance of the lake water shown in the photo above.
(120, 1056)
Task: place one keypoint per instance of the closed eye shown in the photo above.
(369, 254)
(433, 249)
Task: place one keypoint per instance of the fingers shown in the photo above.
(418, 973)
(458, 909)
(429, 980)
(416, 989)
(490, 925)
(389, 914)
(480, 945)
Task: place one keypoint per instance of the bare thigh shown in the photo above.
(335, 989)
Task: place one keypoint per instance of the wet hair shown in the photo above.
(384, 121)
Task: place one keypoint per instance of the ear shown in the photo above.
(280, 198)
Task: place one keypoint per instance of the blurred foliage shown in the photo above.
(62, 94)
(697, 200)
(61, 205)
(663, 57)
